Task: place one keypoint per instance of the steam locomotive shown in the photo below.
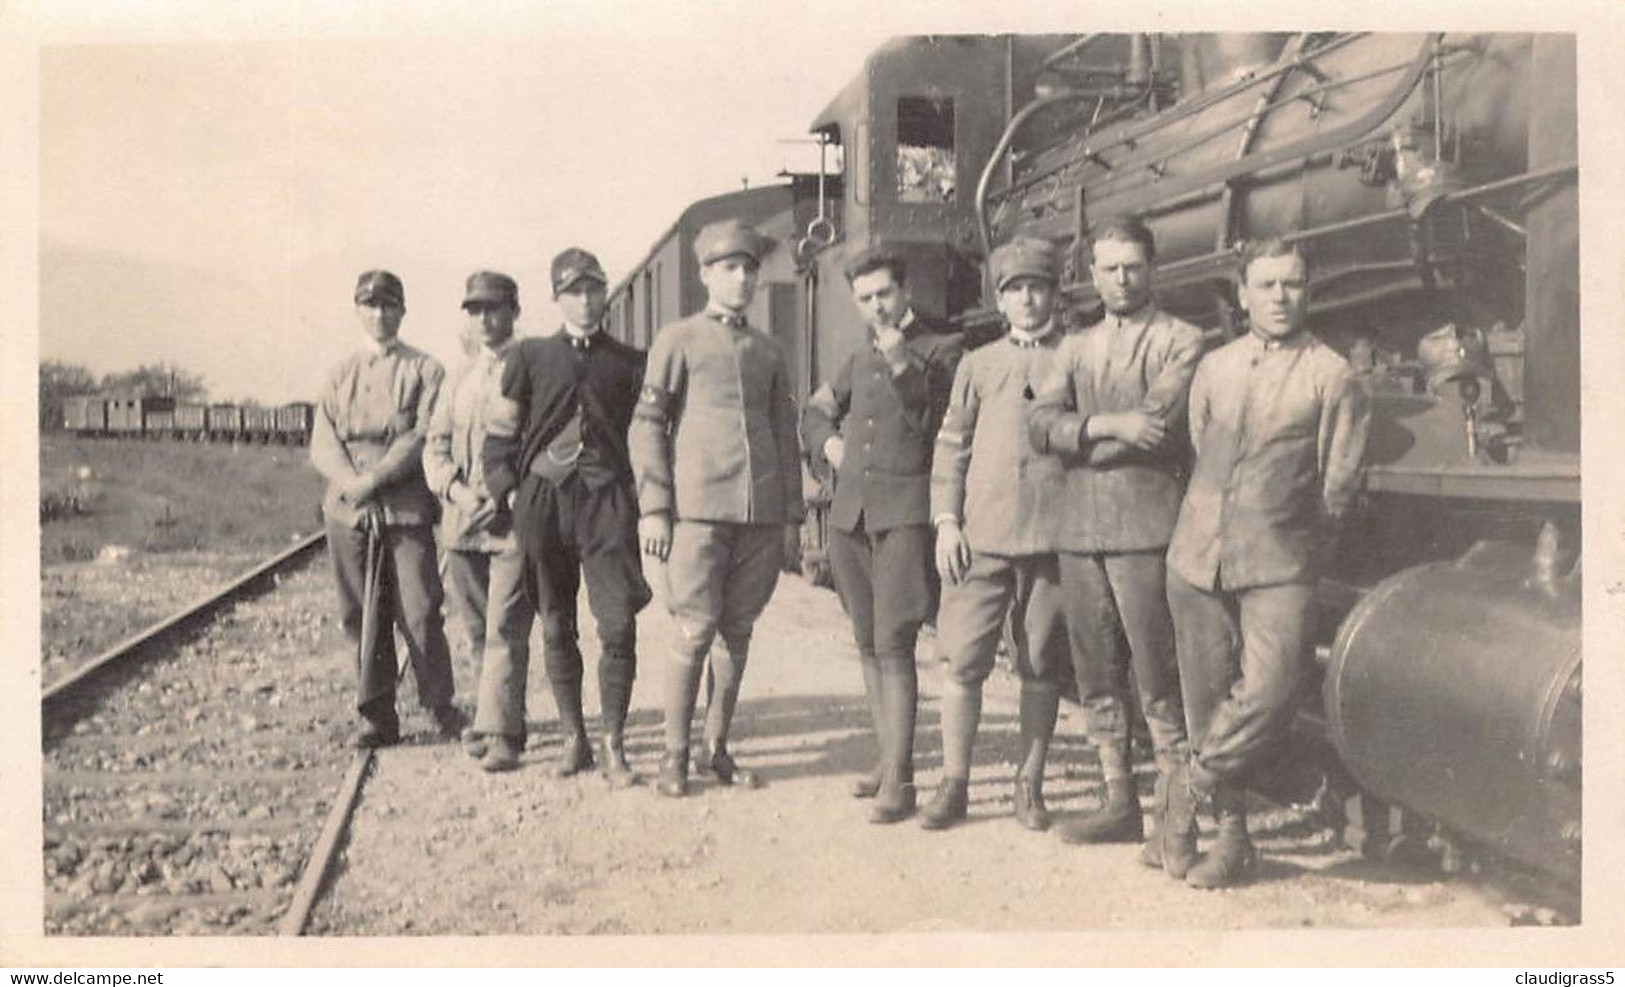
(1432, 179)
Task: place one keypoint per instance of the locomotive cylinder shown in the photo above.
(1454, 690)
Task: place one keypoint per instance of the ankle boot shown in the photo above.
(1030, 809)
(896, 799)
(950, 805)
(576, 755)
(673, 781)
(1232, 858)
(1178, 844)
(615, 767)
(1118, 821)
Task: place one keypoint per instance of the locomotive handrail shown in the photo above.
(1179, 111)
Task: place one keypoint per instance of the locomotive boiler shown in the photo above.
(1432, 181)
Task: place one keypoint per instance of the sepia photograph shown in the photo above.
(680, 483)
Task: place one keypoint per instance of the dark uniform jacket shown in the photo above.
(1279, 429)
(549, 384)
(888, 421)
(1119, 498)
(715, 433)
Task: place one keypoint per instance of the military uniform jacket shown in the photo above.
(1119, 498)
(372, 416)
(1279, 429)
(715, 434)
(888, 420)
(545, 385)
(984, 472)
(452, 453)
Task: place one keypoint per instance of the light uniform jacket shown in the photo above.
(372, 415)
(714, 436)
(451, 453)
(984, 472)
(1279, 430)
(888, 420)
(1119, 498)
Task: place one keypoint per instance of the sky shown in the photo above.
(209, 200)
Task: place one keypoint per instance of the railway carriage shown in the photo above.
(85, 414)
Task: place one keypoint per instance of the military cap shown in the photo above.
(379, 286)
(873, 258)
(1024, 257)
(728, 237)
(489, 286)
(572, 265)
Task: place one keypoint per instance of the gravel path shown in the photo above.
(439, 847)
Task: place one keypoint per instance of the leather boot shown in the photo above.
(1031, 811)
(896, 798)
(501, 754)
(716, 764)
(1178, 849)
(1040, 704)
(616, 698)
(673, 781)
(950, 805)
(1232, 858)
(1118, 820)
(865, 786)
(576, 755)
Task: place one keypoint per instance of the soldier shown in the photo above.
(995, 505)
(1114, 411)
(874, 423)
(556, 444)
(484, 568)
(719, 478)
(367, 441)
(1279, 427)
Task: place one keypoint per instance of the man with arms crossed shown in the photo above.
(1279, 426)
(718, 479)
(1114, 411)
(875, 423)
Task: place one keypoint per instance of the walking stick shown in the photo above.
(370, 587)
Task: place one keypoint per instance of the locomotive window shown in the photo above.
(925, 149)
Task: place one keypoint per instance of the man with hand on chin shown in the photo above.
(367, 439)
(718, 478)
(1114, 412)
(556, 443)
(875, 423)
(995, 503)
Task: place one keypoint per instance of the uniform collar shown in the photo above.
(488, 355)
(719, 314)
(1139, 317)
(1027, 340)
(1292, 342)
(577, 332)
(377, 349)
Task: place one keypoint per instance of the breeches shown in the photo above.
(1028, 589)
(884, 579)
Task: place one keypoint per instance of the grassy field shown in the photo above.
(158, 497)
(138, 529)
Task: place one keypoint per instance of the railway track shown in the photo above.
(196, 777)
